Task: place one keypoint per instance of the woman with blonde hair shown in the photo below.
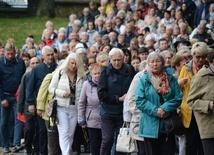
(199, 52)
(67, 90)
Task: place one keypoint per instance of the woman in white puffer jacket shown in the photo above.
(66, 83)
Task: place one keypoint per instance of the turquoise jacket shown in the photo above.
(148, 101)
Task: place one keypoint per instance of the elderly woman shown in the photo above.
(113, 85)
(130, 112)
(199, 52)
(88, 109)
(67, 89)
(201, 102)
(156, 85)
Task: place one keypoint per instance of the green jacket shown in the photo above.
(148, 101)
(200, 94)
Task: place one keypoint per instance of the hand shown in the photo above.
(66, 94)
(83, 126)
(211, 105)
(4, 103)
(182, 81)
(121, 99)
(161, 113)
(32, 109)
(39, 112)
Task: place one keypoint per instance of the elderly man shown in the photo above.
(11, 70)
(108, 24)
(36, 77)
(112, 87)
(60, 41)
(22, 108)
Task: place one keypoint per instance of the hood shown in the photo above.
(91, 82)
(123, 71)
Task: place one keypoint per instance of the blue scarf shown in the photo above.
(91, 82)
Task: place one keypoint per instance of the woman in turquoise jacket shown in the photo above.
(155, 83)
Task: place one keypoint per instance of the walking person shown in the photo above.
(112, 87)
(157, 95)
(11, 70)
(67, 90)
(36, 77)
(88, 109)
(29, 129)
(202, 103)
(199, 52)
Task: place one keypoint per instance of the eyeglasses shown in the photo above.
(200, 57)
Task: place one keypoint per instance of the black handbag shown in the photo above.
(173, 123)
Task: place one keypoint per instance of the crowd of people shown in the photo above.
(133, 61)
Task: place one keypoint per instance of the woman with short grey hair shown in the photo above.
(157, 95)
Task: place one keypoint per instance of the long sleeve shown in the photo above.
(54, 83)
(22, 97)
(43, 92)
(30, 95)
(102, 89)
(82, 105)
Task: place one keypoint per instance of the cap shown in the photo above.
(181, 40)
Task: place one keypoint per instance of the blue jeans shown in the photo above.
(18, 133)
(5, 128)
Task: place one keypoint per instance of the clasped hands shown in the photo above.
(161, 113)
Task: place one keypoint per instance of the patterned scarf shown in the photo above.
(195, 68)
(160, 83)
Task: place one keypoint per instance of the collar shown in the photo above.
(6, 61)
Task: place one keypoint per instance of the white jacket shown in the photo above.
(61, 85)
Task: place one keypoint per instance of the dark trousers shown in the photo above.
(108, 126)
(95, 137)
(43, 138)
(141, 148)
(31, 132)
(193, 141)
(208, 146)
(164, 145)
(53, 141)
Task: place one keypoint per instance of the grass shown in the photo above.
(20, 28)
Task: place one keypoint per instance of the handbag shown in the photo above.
(51, 110)
(173, 123)
(124, 142)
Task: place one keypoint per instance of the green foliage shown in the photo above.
(20, 28)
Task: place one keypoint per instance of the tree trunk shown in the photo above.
(45, 8)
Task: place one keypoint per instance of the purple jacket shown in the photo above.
(88, 107)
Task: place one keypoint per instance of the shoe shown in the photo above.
(17, 148)
(25, 153)
(7, 150)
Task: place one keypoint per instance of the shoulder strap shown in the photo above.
(60, 74)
